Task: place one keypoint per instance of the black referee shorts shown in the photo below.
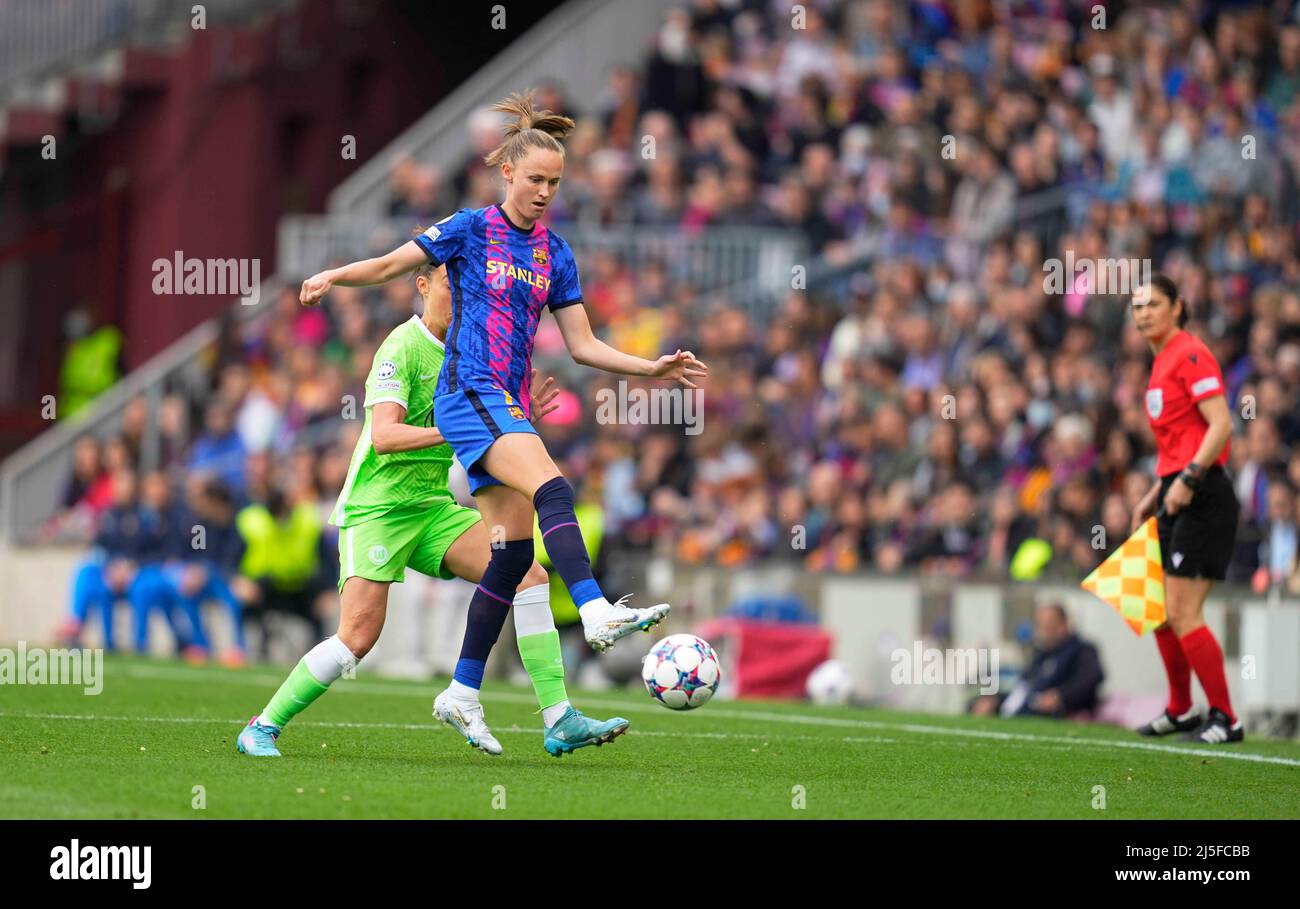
(1197, 542)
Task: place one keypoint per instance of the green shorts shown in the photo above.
(382, 548)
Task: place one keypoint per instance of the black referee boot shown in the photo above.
(1217, 730)
(1167, 723)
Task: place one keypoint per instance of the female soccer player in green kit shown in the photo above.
(396, 511)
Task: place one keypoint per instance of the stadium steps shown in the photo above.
(90, 88)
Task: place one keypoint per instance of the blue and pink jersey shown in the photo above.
(501, 276)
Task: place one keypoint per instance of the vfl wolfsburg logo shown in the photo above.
(378, 555)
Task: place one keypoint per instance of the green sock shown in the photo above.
(294, 696)
(541, 655)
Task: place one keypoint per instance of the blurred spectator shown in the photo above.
(205, 564)
(284, 564)
(90, 486)
(1280, 545)
(87, 493)
(110, 570)
(1063, 677)
(219, 450)
(161, 521)
(950, 545)
(91, 363)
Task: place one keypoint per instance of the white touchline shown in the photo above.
(417, 727)
(724, 713)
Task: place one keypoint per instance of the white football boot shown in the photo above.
(604, 622)
(466, 718)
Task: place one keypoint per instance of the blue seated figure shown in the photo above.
(204, 561)
(151, 591)
(111, 569)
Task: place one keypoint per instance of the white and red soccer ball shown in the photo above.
(681, 672)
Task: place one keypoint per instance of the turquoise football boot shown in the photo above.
(573, 731)
(258, 739)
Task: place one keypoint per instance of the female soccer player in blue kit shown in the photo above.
(503, 267)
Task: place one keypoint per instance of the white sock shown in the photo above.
(330, 659)
(593, 608)
(551, 715)
(462, 692)
(533, 611)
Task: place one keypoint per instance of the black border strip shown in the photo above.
(483, 412)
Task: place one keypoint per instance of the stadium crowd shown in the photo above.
(947, 409)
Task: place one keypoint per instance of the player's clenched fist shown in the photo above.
(314, 288)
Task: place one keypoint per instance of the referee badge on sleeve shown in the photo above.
(1155, 402)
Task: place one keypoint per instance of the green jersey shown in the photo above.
(405, 371)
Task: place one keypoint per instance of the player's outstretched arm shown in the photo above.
(587, 349)
(363, 273)
(388, 432)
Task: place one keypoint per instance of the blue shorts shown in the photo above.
(471, 420)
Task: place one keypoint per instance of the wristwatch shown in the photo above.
(1191, 475)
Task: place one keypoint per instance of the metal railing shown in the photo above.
(759, 258)
(41, 37)
(32, 478)
(819, 276)
(580, 42)
(38, 35)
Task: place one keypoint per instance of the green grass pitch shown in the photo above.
(370, 749)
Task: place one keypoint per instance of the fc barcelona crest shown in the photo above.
(539, 255)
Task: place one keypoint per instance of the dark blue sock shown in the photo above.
(563, 539)
(489, 606)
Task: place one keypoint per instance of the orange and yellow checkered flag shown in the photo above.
(1132, 580)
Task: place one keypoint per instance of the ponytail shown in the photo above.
(528, 128)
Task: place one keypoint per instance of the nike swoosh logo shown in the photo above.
(432, 375)
(494, 242)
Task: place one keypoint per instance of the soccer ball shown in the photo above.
(830, 684)
(681, 672)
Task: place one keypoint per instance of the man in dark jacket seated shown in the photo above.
(1063, 677)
